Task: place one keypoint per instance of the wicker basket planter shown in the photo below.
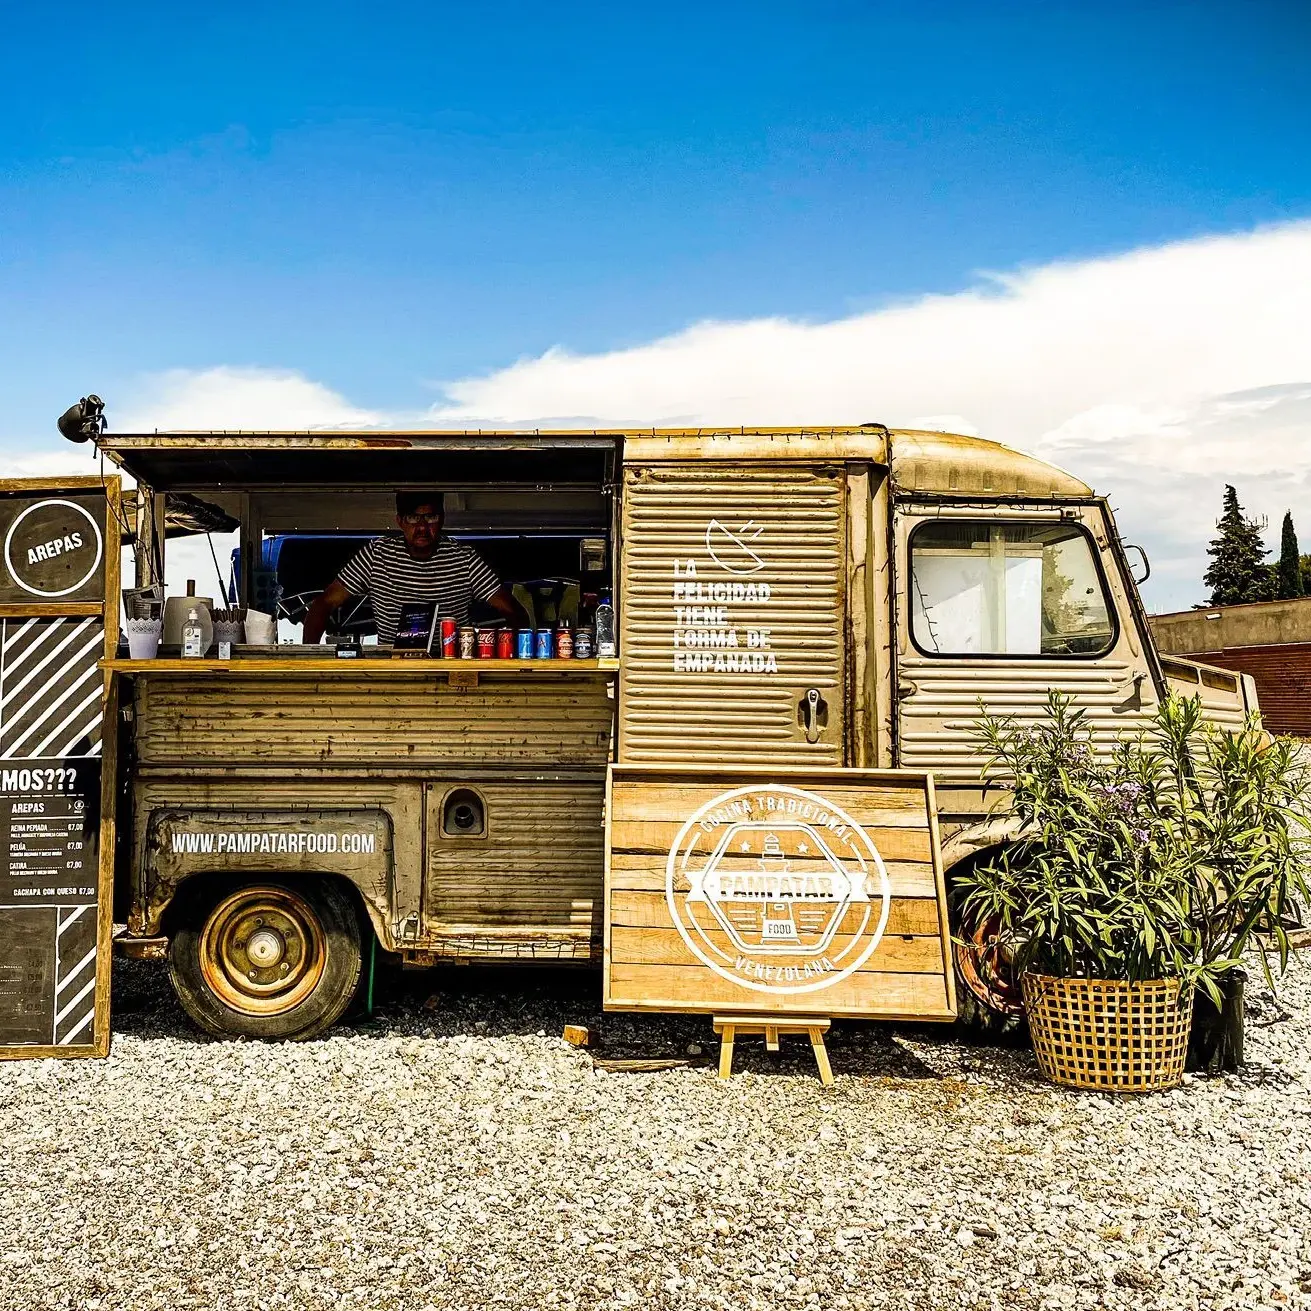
(1106, 1035)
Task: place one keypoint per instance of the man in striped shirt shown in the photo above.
(419, 565)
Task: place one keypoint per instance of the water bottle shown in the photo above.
(605, 627)
(193, 636)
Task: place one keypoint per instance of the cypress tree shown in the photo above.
(1237, 572)
(1289, 573)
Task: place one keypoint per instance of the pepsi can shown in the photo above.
(524, 644)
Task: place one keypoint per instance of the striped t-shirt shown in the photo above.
(453, 576)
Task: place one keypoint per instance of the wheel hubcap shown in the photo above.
(262, 950)
(988, 970)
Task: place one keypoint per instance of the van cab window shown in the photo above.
(1007, 589)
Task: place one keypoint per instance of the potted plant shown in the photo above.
(1140, 878)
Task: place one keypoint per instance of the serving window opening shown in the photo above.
(991, 588)
(549, 547)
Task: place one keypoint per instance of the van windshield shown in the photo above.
(1010, 589)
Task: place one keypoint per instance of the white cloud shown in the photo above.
(227, 397)
(52, 463)
(1159, 375)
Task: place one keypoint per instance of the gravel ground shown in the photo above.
(452, 1151)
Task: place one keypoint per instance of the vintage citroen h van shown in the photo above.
(808, 622)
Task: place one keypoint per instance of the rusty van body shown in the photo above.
(793, 603)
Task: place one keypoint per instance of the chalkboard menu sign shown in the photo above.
(59, 548)
(49, 889)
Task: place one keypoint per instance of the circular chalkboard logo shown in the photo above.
(53, 548)
(777, 889)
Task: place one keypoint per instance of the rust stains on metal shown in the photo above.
(941, 463)
(142, 948)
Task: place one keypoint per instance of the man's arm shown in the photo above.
(316, 617)
(502, 602)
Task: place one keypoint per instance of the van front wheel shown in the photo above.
(274, 959)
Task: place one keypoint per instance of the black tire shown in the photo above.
(293, 995)
(977, 1022)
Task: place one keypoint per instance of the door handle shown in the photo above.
(813, 713)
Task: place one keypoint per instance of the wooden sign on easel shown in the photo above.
(788, 894)
(59, 580)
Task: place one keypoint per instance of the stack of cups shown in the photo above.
(144, 627)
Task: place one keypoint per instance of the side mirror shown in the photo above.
(1142, 555)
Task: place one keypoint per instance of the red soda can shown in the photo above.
(450, 649)
(505, 644)
(486, 643)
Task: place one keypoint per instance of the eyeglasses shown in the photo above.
(427, 520)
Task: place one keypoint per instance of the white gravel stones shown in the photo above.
(464, 1155)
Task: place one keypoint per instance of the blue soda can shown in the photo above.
(524, 644)
(545, 643)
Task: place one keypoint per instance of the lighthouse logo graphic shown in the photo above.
(777, 889)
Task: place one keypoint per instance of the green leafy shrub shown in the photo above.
(1164, 859)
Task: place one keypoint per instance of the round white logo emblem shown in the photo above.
(53, 548)
(777, 889)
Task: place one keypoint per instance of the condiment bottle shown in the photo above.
(193, 636)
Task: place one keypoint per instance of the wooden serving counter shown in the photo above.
(369, 713)
(367, 666)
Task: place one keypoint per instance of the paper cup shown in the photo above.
(143, 638)
(261, 629)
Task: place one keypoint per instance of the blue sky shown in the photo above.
(386, 198)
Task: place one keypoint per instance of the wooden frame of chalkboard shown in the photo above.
(60, 564)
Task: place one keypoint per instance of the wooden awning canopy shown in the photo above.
(196, 461)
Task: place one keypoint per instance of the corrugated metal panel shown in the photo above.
(541, 863)
(1282, 672)
(766, 546)
(1221, 692)
(361, 721)
(937, 717)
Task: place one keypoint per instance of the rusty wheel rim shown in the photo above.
(988, 971)
(262, 951)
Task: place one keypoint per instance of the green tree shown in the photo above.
(1237, 572)
(1306, 575)
(1288, 573)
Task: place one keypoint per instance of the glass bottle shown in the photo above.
(605, 627)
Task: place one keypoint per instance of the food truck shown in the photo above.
(756, 804)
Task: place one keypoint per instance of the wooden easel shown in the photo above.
(773, 1027)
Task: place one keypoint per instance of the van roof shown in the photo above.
(922, 462)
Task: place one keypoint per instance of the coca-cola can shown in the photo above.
(450, 644)
(468, 643)
(505, 644)
(486, 643)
